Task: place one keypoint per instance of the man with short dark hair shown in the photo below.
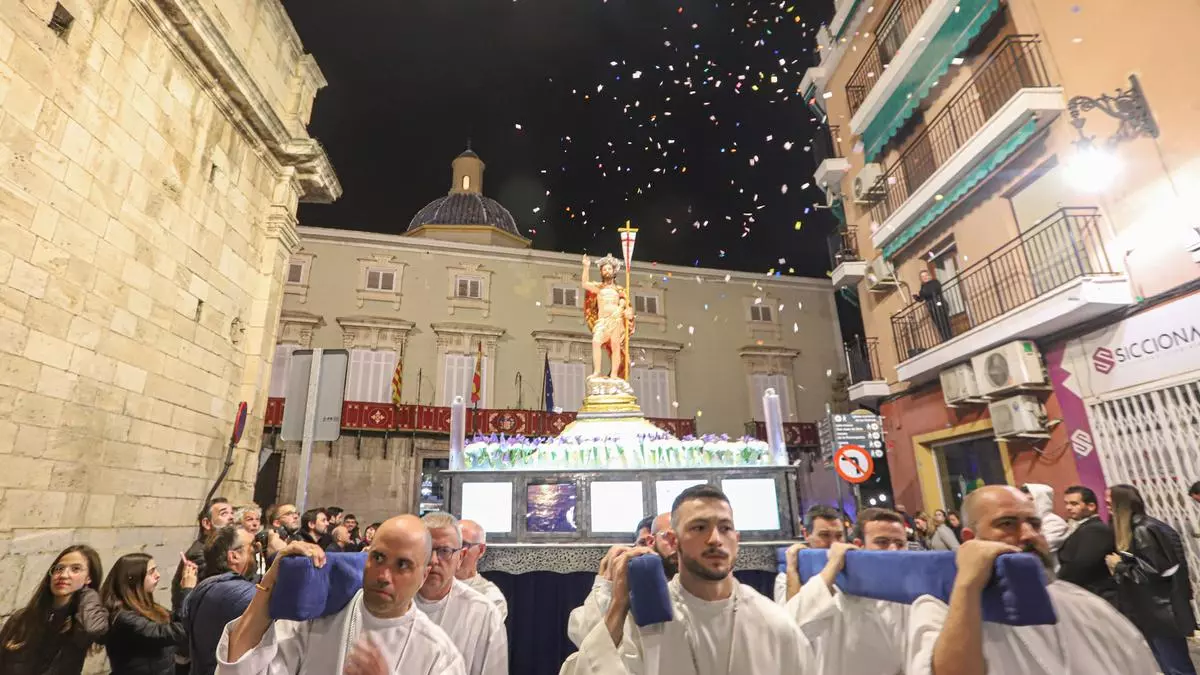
(1194, 491)
(822, 528)
(1081, 558)
(851, 634)
(217, 514)
(313, 526)
(718, 622)
(286, 520)
(641, 534)
(1090, 636)
(222, 595)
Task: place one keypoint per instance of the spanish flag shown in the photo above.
(477, 380)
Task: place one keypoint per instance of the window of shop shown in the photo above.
(967, 465)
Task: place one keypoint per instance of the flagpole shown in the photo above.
(628, 237)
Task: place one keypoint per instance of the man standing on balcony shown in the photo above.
(935, 303)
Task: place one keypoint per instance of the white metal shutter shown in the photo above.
(1151, 440)
(653, 390)
(760, 384)
(568, 384)
(459, 378)
(281, 367)
(369, 375)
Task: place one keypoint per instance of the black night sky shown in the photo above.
(697, 134)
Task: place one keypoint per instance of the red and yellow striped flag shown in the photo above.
(398, 381)
(477, 380)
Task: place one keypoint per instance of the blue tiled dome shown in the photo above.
(465, 208)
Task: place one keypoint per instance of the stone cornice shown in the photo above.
(766, 350)
(467, 329)
(649, 344)
(193, 35)
(462, 251)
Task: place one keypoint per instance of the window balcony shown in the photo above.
(915, 44)
(832, 165)
(1006, 102)
(848, 266)
(867, 384)
(1052, 276)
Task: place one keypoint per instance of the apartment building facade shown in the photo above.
(1015, 184)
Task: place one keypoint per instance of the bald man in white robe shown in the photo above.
(379, 632)
(474, 546)
(591, 614)
(1090, 636)
(853, 635)
(719, 626)
(471, 620)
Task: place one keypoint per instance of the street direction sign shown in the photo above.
(861, 427)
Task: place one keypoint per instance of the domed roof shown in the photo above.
(465, 208)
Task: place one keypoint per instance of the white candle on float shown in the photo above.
(774, 423)
(458, 433)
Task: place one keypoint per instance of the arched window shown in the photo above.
(466, 183)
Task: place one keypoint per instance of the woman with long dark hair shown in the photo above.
(52, 634)
(1151, 572)
(143, 636)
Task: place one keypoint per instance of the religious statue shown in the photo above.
(609, 317)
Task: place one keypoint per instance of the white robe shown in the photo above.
(591, 614)
(781, 589)
(413, 644)
(851, 635)
(758, 639)
(474, 625)
(1090, 637)
(487, 589)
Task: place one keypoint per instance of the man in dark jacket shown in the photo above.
(221, 597)
(1081, 558)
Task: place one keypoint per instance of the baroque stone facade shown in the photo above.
(152, 156)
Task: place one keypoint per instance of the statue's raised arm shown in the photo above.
(586, 276)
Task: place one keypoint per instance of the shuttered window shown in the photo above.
(369, 375)
(280, 369)
(569, 381)
(761, 383)
(653, 389)
(459, 376)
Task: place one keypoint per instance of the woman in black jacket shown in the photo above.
(143, 636)
(1151, 572)
(63, 620)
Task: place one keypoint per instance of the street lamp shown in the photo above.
(1095, 165)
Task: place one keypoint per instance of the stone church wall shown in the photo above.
(359, 476)
(152, 157)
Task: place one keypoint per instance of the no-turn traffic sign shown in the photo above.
(853, 463)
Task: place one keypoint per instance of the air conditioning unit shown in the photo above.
(958, 384)
(880, 275)
(1015, 365)
(1018, 415)
(867, 183)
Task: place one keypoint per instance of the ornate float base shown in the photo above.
(609, 409)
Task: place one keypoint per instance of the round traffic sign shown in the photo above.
(853, 463)
(239, 423)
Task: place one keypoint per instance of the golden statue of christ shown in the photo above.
(609, 316)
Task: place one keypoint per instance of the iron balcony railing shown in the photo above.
(893, 29)
(825, 145)
(862, 357)
(843, 245)
(1015, 64)
(1062, 247)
